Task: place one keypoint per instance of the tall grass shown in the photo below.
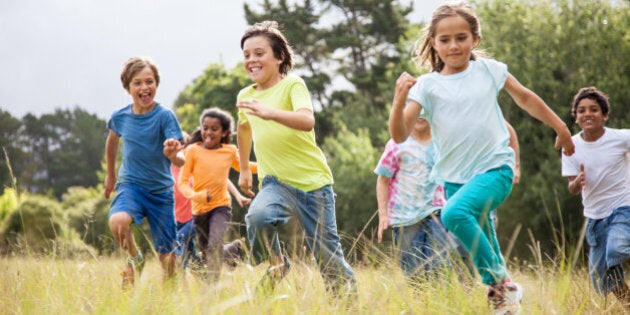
(49, 285)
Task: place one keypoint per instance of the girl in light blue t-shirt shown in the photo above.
(476, 164)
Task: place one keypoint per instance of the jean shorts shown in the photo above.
(157, 208)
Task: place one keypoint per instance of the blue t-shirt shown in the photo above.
(143, 136)
(466, 120)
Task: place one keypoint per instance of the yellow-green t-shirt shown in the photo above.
(290, 155)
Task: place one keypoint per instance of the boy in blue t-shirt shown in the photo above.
(152, 141)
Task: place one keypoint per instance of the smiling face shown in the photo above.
(589, 116)
(260, 63)
(142, 89)
(212, 132)
(454, 42)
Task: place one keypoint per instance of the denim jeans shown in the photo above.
(467, 215)
(609, 242)
(424, 247)
(275, 204)
(186, 242)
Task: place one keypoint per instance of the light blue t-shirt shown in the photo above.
(412, 194)
(143, 136)
(466, 120)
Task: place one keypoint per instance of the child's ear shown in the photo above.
(476, 41)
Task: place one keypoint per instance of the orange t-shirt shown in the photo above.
(210, 170)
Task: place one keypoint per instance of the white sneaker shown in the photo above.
(506, 298)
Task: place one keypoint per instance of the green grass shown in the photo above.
(64, 286)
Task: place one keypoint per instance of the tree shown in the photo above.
(65, 149)
(12, 161)
(555, 48)
(216, 87)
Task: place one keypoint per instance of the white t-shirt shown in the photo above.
(606, 169)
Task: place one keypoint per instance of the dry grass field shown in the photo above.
(33, 285)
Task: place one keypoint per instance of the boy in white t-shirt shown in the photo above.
(599, 170)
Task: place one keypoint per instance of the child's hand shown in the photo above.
(581, 179)
(171, 147)
(110, 182)
(202, 196)
(517, 175)
(383, 224)
(577, 183)
(243, 201)
(245, 182)
(564, 141)
(256, 108)
(403, 85)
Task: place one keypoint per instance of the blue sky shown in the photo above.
(67, 53)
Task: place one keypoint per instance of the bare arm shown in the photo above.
(240, 199)
(536, 107)
(111, 152)
(382, 196)
(244, 142)
(302, 119)
(517, 152)
(403, 115)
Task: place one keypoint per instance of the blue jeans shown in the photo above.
(609, 242)
(186, 242)
(467, 215)
(424, 247)
(275, 204)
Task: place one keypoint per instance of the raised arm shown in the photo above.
(403, 114)
(536, 107)
(302, 119)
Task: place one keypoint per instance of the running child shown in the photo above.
(599, 171)
(459, 97)
(410, 202)
(208, 162)
(276, 113)
(151, 142)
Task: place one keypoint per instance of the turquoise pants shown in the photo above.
(467, 215)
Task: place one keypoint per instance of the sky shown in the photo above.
(69, 53)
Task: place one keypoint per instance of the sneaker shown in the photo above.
(138, 263)
(506, 297)
(273, 276)
(127, 278)
(234, 252)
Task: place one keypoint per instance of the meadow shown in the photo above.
(49, 285)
